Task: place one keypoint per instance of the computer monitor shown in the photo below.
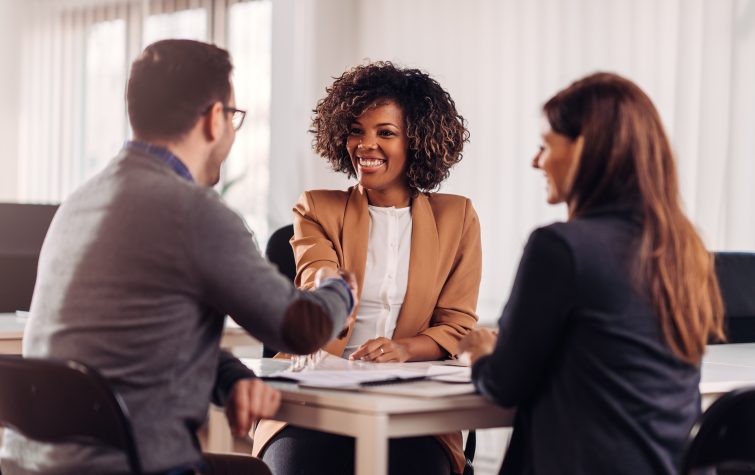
(22, 230)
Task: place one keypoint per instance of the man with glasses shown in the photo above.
(141, 265)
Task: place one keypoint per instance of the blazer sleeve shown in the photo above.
(312, 247)
(229, 370)
(455, 311)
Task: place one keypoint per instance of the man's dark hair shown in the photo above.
(173, 83)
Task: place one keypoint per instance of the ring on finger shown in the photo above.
(382, 350)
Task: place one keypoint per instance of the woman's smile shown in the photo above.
(370, 164)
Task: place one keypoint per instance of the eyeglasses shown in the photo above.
(237, 119)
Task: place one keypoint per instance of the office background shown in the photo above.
(65, 63)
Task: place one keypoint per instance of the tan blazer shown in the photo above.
(331, 228)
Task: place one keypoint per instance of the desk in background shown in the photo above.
(726, 367)
(12, 333)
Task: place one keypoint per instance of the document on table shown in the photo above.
(422, 389)
(340, 373)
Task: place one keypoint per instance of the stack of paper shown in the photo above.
(340, 373)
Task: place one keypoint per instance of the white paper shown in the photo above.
(334, 372)
(450, 374)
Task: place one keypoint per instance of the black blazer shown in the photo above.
(582, 356)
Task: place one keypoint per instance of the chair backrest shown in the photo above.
(723, 433)
(55, 401)
(24, 227)
(279, 252)
(736, 277)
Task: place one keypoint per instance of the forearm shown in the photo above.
(229, 370)
(422, 348)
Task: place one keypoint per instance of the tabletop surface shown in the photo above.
(725, 367)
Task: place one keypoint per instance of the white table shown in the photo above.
(11, 334)
(372, 419)
(726, 367)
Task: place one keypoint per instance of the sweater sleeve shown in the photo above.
(236, 280)
(229, 370)
(532, 323)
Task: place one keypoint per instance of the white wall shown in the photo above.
(312, 42)
(11, 16)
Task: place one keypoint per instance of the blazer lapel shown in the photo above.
(423, 269)
(355, 236)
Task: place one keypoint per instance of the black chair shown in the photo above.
(723, 436)
(736, 277)
(279, 252)
(56, 401)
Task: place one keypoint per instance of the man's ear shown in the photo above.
(213, 122)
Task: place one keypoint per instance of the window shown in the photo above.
(246, 174)
(74, 121)
(184, 24)
(104, 120)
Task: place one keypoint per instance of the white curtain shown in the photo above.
(501, 59)
(71, 112)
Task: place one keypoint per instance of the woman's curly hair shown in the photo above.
(435, 131)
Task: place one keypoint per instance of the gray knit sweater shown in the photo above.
(136, 274)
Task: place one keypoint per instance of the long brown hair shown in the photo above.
(627, 156)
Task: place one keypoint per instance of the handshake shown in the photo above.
(326, 273)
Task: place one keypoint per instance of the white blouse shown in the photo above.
(385, 276)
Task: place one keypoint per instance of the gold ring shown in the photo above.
(382, 350)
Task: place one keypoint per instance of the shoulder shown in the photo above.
(451, 206)
(455, 218)
(598, 246)
(558, 234)
(324, 200)
(447, 200)
(595, 234)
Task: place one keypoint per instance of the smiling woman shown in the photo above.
(415, 253)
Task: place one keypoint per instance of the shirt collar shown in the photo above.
(161, 153)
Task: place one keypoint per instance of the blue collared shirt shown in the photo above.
(161, 153)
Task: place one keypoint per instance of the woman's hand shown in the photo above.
(382, 350)
(477, 344)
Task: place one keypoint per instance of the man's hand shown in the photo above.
(251, 399)
(477, 343)
(381, 350)
(325, 273)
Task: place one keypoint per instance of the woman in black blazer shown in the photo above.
(599, 345)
